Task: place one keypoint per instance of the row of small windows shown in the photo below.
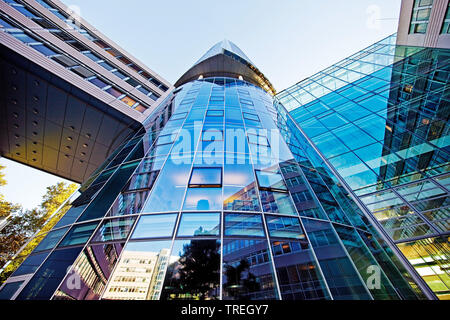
(129, 289)
(84, 50)
(421, 16)
(70, 64)
(76, 25)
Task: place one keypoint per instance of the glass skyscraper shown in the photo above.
(220, 188)
(227, 201)
(380, 119)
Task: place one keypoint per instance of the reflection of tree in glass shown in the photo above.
(237, 286)
(196, 274)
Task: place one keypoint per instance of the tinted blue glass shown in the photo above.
(31, 264)
(154, 226)
(342, 278)
(51, 240)
(78, 234)
(47, 279)
(9, 290)
(243, 198)
(199, 224)
(115, 229)
(284, 227)
(277, 202)
(206, 177)
(243, 225)
(270, 180)
(247, 270)
(170, 187)
(203, 199)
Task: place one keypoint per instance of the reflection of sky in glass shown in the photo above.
(206, 176)
(199, 224)
(203, 199)
(154, 226)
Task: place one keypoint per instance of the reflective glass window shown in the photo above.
(47, 279)
(194, 271)
(93, 267)
(8, 291)
(79, 234)
(199, 224)
(170, 187)
(297, 270)
(277, 202)
(140, 262)
(155, 226)
(270, 181)
(30, 264)
(284, 227)
(115, 229)
(250, 116)
(247, 270)
(342, 278)
(203, 199)
(258, 139)
(206, 177)
(243, 198)
(51, 240)
(240, 224)
(214, 113)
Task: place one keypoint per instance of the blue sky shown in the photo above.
(288, 40)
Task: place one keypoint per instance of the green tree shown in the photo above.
(22, 224)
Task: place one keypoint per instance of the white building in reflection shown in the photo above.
(139, 276)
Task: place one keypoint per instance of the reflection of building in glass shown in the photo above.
(217, 189)
(380, 118)
(137, 276)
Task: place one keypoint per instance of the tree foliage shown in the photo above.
(22, 224)
(196, 274)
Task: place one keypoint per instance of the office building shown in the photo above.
(222, 188)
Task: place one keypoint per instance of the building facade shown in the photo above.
(218, 187)
(68, 90)
(215, 206)
(380, 119)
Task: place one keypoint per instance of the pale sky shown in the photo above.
(288, 40)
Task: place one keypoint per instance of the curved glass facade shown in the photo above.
(214, 206)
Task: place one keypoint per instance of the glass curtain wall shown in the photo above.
(380, 119)
(214, 206)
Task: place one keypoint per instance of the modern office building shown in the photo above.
(332, 189)
(380, 120)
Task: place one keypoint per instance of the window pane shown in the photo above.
(155, 226)
(206, 177)
(247, 270)
(203, 199)
(241, 198)
(116, 229)
(140, 261)
(284, 227)
(31, 264)
(194, 271)
(270, 180)
(94, 266)
(9, 290)
(51, 240)
(78, 234)
(243, 225)
(277, 202)
(199, 224)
